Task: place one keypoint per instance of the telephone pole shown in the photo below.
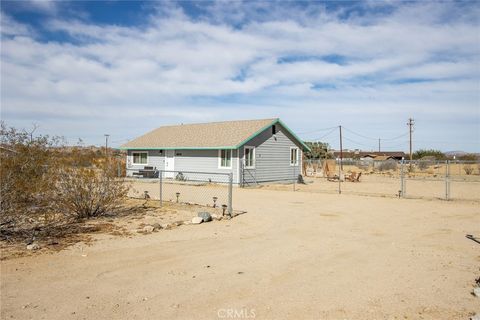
(106, 145)
(379, 144)
(410, 129)
(341, 149)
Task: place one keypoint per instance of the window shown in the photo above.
(225, 158)
(294, 156)
(140, 157)
(249, 157)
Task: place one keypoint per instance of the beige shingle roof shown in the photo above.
(228, 134)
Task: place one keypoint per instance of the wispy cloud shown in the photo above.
(311, 64)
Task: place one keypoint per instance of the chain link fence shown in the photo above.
(208, 189)
(430, 179)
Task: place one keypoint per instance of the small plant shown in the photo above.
(387, 165)
(468, 169)
(423, 165)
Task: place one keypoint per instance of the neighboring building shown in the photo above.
(253, 150)
(371, 155)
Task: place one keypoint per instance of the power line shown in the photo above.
(317, 130)
(356, 142)
(376, 139)
(328, 133)
(395, 138)
(358, 134)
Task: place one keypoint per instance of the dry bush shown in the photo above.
(89, 192)
(362, 166)
(468, 169)
(27, 176)
(44, 184)
(387, 165)
(423, 165)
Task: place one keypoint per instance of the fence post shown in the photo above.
(402, 180)
(160, 174)
(230, 195)
(447, 180)
(340, 176)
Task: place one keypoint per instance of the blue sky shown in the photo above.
(84, 68)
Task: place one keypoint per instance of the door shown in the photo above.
(169, 163)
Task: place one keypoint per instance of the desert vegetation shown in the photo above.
(46, 187)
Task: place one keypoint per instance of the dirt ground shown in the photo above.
(292, 255)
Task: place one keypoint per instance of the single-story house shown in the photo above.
(254, 151)
(369, 155)
(374, 157)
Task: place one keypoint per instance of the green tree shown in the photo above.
(319, 150)
(419, 154)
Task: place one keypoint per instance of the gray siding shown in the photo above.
(156, 159)
(204, 161)
(187, 160)
(272, 157)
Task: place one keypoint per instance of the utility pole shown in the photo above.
(379, 144)
(410, 128)
(341, 149)
(106, 145)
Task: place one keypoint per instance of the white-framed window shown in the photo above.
(140, 157)
(249, 157)
(293, 156)
(225, 159)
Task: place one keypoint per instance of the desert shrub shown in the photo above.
(468, 169)
(468, 157)
(43, 183)
(27, 176)
(423, 165)
(362, 165)
(437, 154)
(387, 165)
(89, 192)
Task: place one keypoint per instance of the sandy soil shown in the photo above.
(293, 255)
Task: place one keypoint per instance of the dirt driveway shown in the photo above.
(293, 255)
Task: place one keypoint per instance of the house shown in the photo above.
(370, 155)
(254, 151)
(374, 157)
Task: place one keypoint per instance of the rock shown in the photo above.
(148, 229)
(475, 317)
(33, 246)
(205, 216)
(178, 223)
(216, 216)
(197, 220)
(157, 226)
(476, 291)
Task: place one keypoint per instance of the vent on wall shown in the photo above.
(274, 129)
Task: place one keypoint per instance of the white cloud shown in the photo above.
(170, 68)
